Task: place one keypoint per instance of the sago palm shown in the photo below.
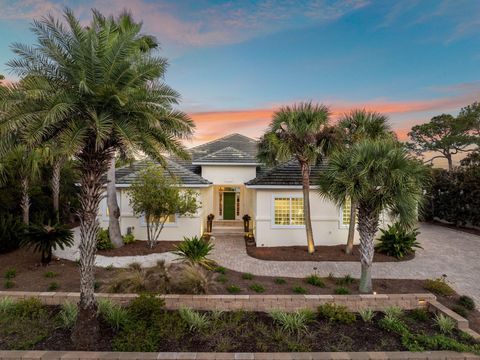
(90, 87)
(379, 176)
(301, 132)
(359, 125)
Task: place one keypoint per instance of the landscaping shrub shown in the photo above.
(103, 240)
(342, 291)
(346, 280)
(8, 284)
(460, 310)
(194, 320)
(115, 315)
(220, 269)
(315, 280)
(195, 250)
(146, 307)
(393, 312)
(439, 286)
(421, 315)
(128, 239)
(299, 290)
(136, 279)
(68, 314)
(445, 323)
(397, 241)
(50, 274)
(336, 313)
(194, 279)
(28, 308)
(280, 281)
(257, 288)
(6, 305)
(53, 286)
(293, 323)
(467, 302)
(247, 276)
(10, 273)
(394, 324)
(233, 289)
(12, 232)
(366, 315)
(221, 279)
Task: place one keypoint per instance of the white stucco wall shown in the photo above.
(224, 175)
(185, 226)
(326, 222)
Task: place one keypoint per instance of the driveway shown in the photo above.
(445, 251)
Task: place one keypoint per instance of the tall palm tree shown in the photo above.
(359, 125)
(379, 176)
(302, 132)
(88, 86)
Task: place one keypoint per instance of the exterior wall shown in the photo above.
(326, 221)
(228, 175)
(184, 226)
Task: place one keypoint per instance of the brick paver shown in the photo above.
(445, 251)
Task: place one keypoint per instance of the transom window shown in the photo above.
(288, 211)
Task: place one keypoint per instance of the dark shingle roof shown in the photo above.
(286, 174)
(227, 155)
(240, 142)
(127, 174)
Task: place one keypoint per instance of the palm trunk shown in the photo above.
(306, 205)
(367, 227)
(86, 331)
(351, 228)
(57, 168)
(25, 201)
(113, 209)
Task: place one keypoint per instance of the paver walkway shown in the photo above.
(445, 251)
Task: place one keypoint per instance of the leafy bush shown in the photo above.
(146, 307)
(257, 288)
(299, 290)
(12, 232)
(280, 281)
(293, 323)
(194, 320)
(366, 315)
(397, 241)
(394, 312)
(28, 308)
(50, 274)
(195, 250)
(220, 270)
(103, 240)
(233, 289)
(439, 286)
(45, 238)
(53, 286)
(394, 324)
(127, 239)
(444, 323)
(247, 276)
(336, 313)
(6, 305)
(115, 315)
(68, 314)
(342, 291)
(8, 284)
(10, 273)
(467, 302)
(346, 280)
(315, 280)
(460, 310)
(221, 279)
(420, 315)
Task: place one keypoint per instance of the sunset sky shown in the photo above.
(235, 62)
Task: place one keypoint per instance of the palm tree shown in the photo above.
(379, 176)
(302, 132)
(88, 86)
(359, 125)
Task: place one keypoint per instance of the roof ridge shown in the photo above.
(222, 149)
(222, 138)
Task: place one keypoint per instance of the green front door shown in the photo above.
(229, 206)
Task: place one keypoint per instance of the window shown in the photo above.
(288, 211)
(345, 213)
(171, 220)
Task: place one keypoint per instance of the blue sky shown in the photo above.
(236, 62)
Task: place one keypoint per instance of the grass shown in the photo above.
(342, 291)
(315, 280)
(258, 288)
(280, 281)
(50, 274)
(233, 289)
(299, 290)
(53, 286)
(346, 280)
(247, 276)
(10, 273)
(439, 286)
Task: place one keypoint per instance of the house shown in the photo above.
(231, 182)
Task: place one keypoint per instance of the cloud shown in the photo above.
(27, 9)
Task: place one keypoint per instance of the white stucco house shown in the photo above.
(230, 182)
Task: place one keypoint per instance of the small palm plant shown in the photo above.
(46, 238)
(195, 250)
(293, 323)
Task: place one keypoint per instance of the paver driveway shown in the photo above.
(445, 251)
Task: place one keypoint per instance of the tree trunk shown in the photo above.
(56, 170)
(351, 228)
(85, 333)
(306, 205)
(113, 209)
(367, 227)
(450, 162)
(25, 201)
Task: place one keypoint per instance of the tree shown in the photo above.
(444, 134)
(379, 176)
(156, 196)
(302, 132)
(357, 126)
(89, 87)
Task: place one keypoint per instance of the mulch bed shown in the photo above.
(455, 227)
(140, 248)
(322, 253)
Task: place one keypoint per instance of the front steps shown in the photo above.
(227, 227)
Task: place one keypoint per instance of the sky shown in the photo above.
(236, 62)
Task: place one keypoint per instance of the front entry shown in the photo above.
(228, 206)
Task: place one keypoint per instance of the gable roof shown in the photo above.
(237, 141)
(286, 174)
(228, 155)
(127, 174)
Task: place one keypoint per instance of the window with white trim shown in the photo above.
(288, 211)
(171, 220)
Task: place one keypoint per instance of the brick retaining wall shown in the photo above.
(376, 302)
